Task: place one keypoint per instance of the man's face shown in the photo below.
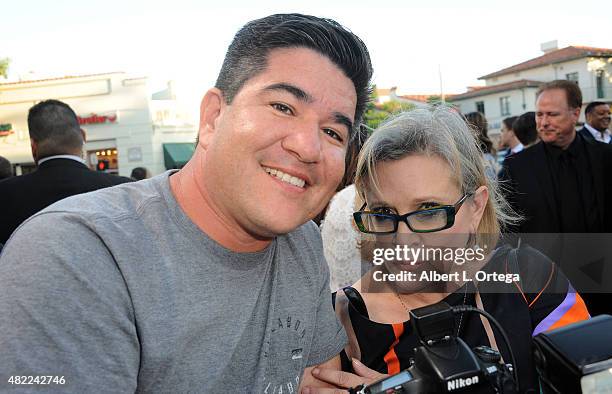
(275, 155)
(555, 120)
(505, 136)
(599, 117)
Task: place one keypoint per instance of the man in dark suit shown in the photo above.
(597, 115)
(57, 144)
(560, 185)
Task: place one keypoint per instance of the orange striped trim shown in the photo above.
(393, 364)
(529, 304)
(577, 312)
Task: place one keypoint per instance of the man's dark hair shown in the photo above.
(508, 122)
(54, 126)
(571, 89)
(591, 106)
(524, 128)
(248, 53)
(6, 169)
(139, 173)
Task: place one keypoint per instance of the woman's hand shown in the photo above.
(343, 380)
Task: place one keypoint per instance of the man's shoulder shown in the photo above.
(605, 149)
(523, 159)
(104, 178)
(13, 188)
(308, 231)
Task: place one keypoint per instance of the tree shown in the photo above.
(375, 113)
(4, 65)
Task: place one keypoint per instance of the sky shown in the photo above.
(422, 47)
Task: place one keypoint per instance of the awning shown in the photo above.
(176, 155)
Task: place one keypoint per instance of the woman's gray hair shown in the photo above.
(438, 131)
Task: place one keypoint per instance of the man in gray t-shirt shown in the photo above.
(212, 278)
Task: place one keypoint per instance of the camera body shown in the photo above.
(448, 366)
(444, 363)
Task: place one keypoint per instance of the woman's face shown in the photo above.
(418, 182)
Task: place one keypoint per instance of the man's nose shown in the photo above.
(304, 142)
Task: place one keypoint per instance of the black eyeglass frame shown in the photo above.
(451, 212)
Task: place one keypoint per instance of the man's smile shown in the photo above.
(283, 176)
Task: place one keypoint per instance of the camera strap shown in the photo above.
(487, 325)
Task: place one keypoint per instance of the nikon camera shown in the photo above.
(445, 363)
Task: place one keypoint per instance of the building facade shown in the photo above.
(511, 91)
(125, 126)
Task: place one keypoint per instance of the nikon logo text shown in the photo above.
(461, 383)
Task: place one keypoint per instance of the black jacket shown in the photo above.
(55, 179)
(528, 186)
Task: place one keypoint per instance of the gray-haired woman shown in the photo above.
(422, 178)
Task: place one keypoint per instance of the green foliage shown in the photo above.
(4, 65)
(376, 114)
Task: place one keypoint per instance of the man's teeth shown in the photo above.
(295, 181)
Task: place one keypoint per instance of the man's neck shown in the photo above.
(188, 188)
(66, 156)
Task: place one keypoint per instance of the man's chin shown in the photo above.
(277, 228)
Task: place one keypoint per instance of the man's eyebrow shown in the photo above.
(305, 97)
(343, 119)
(293, 90)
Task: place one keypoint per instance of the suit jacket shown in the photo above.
(529, 187)
(588, 136)
(55, 179)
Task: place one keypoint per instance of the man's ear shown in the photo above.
(34, 148)
(210, 112)
(84, 134)
(480, 200)
(576, 113)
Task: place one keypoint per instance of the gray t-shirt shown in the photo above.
(118, 291)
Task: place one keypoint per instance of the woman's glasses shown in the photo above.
(421, 221)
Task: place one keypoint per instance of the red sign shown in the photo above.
(97, 119)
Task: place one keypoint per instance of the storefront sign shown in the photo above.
(97, 119)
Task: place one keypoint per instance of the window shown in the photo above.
(599, 80)
(480, 107)
(504, 105)
(572, 77)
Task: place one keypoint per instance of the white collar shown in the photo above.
(597, 134)
(71, 157)
(517, 148)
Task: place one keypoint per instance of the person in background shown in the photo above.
(57, 148)
(508, 138)
(6, 169)
(525, 130)
(479, 124)
(597, 115)
(422, 177)
(139, 173)
(341, 239)
(561, 184)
